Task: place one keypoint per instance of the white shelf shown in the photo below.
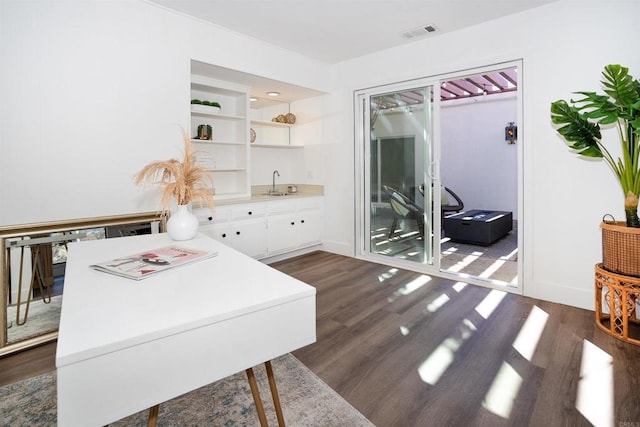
(214, 142)
(217, 115)
(272, 124)
(276, 146)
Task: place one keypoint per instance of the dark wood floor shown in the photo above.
(379, 333)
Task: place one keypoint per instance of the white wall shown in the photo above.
(564, 47)
(91, 92)
(476, 161)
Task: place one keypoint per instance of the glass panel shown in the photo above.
(399, 153)
(479, 236)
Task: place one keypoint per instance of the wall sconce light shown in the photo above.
(511, 133)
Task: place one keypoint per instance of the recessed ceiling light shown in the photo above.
(273, 93)
(253, 99)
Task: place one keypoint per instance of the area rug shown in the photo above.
(306, 401)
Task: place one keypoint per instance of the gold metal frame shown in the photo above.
(53, 227)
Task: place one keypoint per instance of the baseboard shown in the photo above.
(287, 255)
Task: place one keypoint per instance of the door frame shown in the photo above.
(362, 119)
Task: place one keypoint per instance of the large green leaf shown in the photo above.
(620, 85)
(577, 129)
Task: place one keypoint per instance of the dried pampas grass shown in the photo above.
(183, 181)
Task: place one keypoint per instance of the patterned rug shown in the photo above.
(306, 401)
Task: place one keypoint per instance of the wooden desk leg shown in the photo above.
(256, 397)
(153, 416)
(274, 393)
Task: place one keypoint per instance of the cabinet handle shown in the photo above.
(250, 212)
(237, 233)
(302, 221)
(224, 234)
(293, 223)
(210, 218)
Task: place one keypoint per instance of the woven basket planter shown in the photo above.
(620, 248)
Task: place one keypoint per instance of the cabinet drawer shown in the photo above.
(205, 216)
(248, 210)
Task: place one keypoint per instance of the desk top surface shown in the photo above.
(102, 313)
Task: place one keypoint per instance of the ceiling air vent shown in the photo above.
(419, 31)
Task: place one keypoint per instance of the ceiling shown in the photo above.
(336, 30)
(332, 31)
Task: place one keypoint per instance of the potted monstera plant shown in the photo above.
(583, 123)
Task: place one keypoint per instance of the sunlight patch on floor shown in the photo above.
(503, 391)
(509, 256)
(488, 272)
(434, 366)
(594, 399)
(463, 263)
(389, 274)
(490, 302)
(413, 285)
(434, 305)
(527, 340)
(459, 286)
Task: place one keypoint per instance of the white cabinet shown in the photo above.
(243, 227)
(265, 228)
(226, 154)
(294, 224)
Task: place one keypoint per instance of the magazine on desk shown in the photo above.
(146, 264)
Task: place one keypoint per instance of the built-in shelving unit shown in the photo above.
(226, 154)
(269, 133)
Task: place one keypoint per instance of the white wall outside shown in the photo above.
(476, 161)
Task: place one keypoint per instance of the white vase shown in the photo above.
(182, 224)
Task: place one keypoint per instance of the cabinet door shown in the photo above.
(219, 232)
(250, 237)
(282, 233)
(309, 226)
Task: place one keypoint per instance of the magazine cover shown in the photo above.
(146, 264)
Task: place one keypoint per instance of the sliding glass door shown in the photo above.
(440, 176)
(397, 136)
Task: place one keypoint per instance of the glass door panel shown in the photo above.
(398, 152)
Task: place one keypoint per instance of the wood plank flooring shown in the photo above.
(407, 353)
(408, 350)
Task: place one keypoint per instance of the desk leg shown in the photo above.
(256, 397)
(153, 416)
(274, 393)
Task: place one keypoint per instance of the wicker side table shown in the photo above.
(617, 294)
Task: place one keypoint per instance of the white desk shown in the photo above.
(127, 345)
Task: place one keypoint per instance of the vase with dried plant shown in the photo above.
(183, 181)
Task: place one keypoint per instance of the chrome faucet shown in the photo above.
(273, 186)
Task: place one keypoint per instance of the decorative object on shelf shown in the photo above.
(205, 106)
(290, 118)
(182, 181)
(205, 132)
(281, 119)
(252, 135)
(581, 124)
(511, 133)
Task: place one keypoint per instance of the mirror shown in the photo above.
(32, 266)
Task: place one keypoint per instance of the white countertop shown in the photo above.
(103, 313)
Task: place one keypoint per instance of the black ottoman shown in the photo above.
(478, 227)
